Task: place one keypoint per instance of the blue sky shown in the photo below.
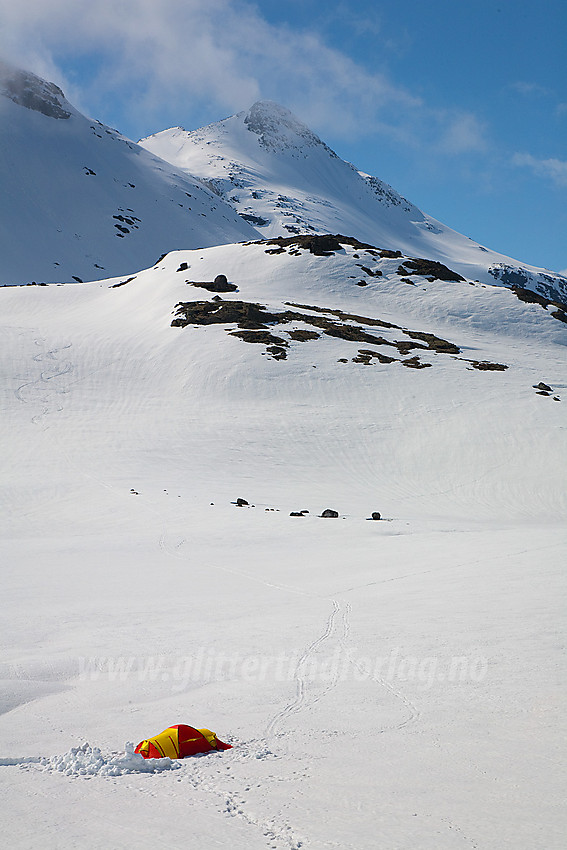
(462, 107)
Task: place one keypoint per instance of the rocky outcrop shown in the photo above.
(429, 269)
(527, 285)
(31, 92)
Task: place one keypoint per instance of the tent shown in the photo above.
(179, 741)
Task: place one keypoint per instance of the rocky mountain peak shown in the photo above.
(278, 128)
(31, 92)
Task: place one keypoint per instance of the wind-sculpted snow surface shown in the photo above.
(185, 539)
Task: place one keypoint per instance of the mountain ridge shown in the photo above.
(83, 202)
(282, 178)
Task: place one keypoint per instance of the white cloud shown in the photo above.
(463, 133)
(165, 59)
(529, 89)
(185, 51)
(367, 21)
(554, 169)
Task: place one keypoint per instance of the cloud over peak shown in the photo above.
(169, 58)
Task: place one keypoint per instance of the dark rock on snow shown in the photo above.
(322, 245)
(219, 284)
(423, 268)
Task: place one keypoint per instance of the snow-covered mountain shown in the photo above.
(170, 441)
(80, 201)
(284, 180)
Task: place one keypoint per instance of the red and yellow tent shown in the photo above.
(179, 741)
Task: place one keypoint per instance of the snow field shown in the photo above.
(392, 683)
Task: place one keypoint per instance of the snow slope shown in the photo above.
(283, 179)
(79, 200)
(392, 684)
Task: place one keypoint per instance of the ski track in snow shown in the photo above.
(41, 390)
(175, 553)
(299, 702)
(449, 566)
(278, 833)
(413, 713)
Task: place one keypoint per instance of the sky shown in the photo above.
(461, 107)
